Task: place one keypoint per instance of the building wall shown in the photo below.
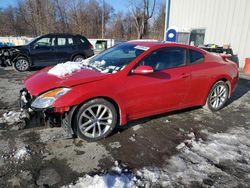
(225, 21)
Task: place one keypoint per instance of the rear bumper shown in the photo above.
(48, 117)
(89, 53)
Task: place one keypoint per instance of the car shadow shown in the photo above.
(242, 88)
(133, 123)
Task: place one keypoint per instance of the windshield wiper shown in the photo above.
(93, 67)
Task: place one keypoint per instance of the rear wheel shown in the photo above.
(95, 119)
(21, 64)
(217, 96)
(78, 58)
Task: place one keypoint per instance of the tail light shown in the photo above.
(91, 46)
(225, 57)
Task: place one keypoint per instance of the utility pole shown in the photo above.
(167, 15)
(103, 14)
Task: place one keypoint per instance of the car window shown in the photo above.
(70, 41)
(165, 58)
(61, 41)
(195, 57)
(46, 41)
(82, 40)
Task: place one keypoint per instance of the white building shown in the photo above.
(224, 22)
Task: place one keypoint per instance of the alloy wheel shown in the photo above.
(95, 121)
(22, 65)
(79, 59)
(218, 96)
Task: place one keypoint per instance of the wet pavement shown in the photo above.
(50, 159)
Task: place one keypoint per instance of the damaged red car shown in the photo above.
(132, 80)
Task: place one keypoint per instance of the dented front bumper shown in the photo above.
(47, 117)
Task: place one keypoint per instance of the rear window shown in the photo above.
(195, 57)
(83, 40)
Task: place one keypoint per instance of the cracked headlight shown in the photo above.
(47, 99)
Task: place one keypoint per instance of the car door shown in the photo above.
(164, 89)
(64, 49)
(200, 72)
(42, 51)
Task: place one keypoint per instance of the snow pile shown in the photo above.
(70, 67)
(104, 181)
(222, 160)
(18, 155)
(22, 153)
(117, 178)
(63, 69)
(13, 117)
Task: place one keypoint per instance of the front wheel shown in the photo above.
(21, 64)
(95, 119)
(217, 96)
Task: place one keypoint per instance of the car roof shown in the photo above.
(158, 44)
(63, 34)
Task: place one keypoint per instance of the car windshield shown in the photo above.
(116, 58)
(29, 42)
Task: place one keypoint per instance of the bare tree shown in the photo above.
(157, 29)
(37, 17)
(116, 29)
(142, 11)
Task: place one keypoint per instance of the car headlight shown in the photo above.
(47, 99)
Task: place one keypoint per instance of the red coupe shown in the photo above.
(129, 81)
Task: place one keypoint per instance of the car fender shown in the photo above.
(215, 79)
(22, 55)
(76, 97)
(228, 80)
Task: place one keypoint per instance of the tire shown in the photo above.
(78, 58)
(21, 64)
(217, 97)
(95, 120)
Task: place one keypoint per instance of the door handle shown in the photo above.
(185, 75)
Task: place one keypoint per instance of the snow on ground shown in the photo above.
(13, 117)
(22, 153)
(116, 178)
(222, 160)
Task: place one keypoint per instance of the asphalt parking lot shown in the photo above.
(53, 160)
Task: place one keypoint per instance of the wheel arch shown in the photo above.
(22, 55)
(118, 106)
(224, 79)
(75, 54)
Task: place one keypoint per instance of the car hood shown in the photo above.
(42, 81)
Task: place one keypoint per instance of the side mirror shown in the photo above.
(142, 69)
